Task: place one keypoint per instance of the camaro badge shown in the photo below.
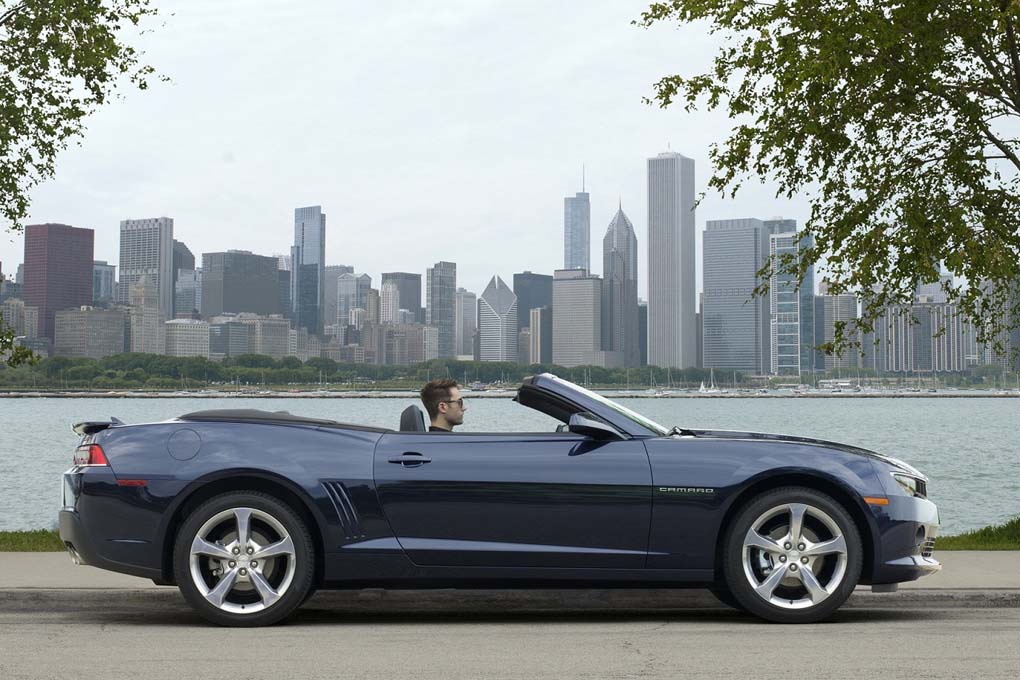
(686, 489)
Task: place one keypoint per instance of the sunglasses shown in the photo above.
(458, 402)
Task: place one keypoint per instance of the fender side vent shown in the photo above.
(350, 521)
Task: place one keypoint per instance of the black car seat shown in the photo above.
(412, 420)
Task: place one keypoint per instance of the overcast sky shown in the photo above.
(426, 130)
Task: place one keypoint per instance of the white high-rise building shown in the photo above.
(147, 249)
(672, 301)
(389, 303)
(187, 338)
(466, 322)
(497, 322)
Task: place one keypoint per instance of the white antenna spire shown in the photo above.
(582, 178)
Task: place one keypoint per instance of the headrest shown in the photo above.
(412, 420)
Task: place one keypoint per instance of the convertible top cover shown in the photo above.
(251, 415)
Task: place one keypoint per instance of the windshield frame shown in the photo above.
(633, 416)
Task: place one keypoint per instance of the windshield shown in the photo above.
(622, 410)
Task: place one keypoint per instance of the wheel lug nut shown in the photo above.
(804, 560)
(782, 558)
(251, 550)
(244, 572)
(793, 567)
(254, 564)
(232, 564)
(787, 545)
(236, 551)
(800, 546)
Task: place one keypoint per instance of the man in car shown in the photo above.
(444, 404)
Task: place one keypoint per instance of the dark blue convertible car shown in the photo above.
(249, 512)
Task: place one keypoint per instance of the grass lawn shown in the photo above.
(41, 540)
(998, 537)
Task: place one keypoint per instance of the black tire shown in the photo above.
(303, 556)
(723, 594)
(739, 584)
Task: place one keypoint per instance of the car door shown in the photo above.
(525, 500)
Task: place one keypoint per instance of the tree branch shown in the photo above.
(9, 14)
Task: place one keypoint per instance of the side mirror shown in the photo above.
(581, 423)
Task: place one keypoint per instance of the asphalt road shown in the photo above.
(120, 635)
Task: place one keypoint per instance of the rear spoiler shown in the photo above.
(93, 426)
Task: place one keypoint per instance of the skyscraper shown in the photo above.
(735, 324)
(671, 243)
(830, 310)
(466, 322)
(791, 303)
(147, 319)
(576, 231)
(532, 290)
(104, 282)
(577, 321)
(540, 325)
(58, 270)
(441, 298)
(497, 322)
(182, 259)
(308, 268)
(331, 290)
(409, 287)
(619, 290)
(188, 293)
(239, 281)
(346, 298)
(389, 302)
(146, 249)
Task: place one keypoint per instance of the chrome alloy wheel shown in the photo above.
(242, 560)
(794, 556)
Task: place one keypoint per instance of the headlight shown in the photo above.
(911, 485)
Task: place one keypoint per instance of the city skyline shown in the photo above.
(231, 180)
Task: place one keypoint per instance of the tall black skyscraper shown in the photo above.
(532, 291)
(239, 281)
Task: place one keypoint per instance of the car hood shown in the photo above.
(836, 446)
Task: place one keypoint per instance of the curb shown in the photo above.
(66, 600)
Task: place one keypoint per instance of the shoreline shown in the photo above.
(497, 394)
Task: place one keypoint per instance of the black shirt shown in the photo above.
(433, 428)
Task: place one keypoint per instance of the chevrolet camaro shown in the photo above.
(249, 512)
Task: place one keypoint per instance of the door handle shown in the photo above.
(410, 459)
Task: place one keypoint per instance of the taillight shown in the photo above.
(90, 454)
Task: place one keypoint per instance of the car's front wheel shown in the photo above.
(792, 555)
(244, 559)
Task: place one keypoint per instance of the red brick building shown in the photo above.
(58, 270)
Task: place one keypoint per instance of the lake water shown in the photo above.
(970, 448)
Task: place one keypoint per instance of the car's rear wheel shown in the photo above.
(792, 555)
(244, 558)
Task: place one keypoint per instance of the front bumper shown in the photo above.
(907, 528)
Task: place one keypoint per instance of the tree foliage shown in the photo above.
(12, 354)
(59, 61)
(897, 119)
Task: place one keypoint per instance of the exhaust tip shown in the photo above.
(73, 554)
